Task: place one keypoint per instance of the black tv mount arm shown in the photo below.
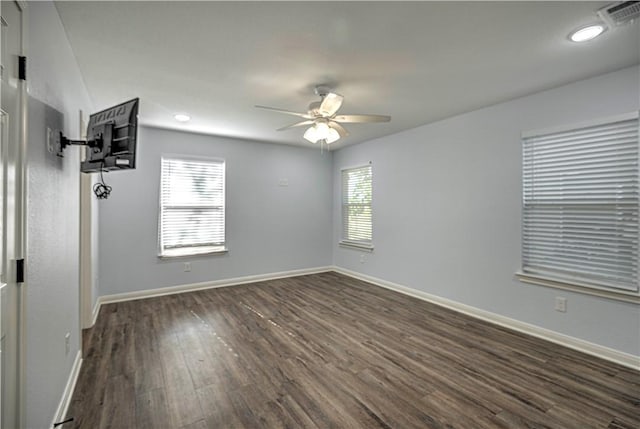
(100, 136)
(64, 142)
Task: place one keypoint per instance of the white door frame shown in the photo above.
(21, 218)
(3, 155)
(20, 228)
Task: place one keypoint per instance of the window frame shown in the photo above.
(366, 246)
(568, 283)
(210, 250)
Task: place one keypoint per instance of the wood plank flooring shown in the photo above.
(329, 351)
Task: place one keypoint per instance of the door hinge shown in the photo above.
(22, 68)
(19, 270)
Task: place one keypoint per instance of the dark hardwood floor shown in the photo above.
(328, 351)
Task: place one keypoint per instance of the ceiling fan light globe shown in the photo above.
(322, 130)
(332, 136)
(311, 134)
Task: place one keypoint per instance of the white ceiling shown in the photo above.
(416, 61)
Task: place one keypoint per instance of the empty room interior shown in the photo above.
(320, 214)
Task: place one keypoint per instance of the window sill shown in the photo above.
(617, 295)
(175, 255)
(356, 246)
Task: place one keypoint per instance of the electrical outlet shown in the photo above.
(187, 267)
(283, 182)
(67, 343)
(561, 304)
(362, 259)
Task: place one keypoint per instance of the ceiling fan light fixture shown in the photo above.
(321, 131)
(332, 136)
(311, 134)
(324, 124)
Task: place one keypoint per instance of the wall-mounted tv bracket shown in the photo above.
(102, 133)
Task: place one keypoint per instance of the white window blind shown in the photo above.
(580, 205)
(356, 206)
(192, 212)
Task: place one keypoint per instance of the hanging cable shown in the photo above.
(101, 189)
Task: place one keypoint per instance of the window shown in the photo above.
(356, 207)
(191, 206)
(580, 205)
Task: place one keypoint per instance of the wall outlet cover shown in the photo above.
(561, 304)
(67, 343)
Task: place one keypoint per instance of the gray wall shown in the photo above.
(269, 228)
(446, 207)
(52, 283)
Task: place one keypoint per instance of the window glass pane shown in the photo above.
(192, 213)
(356, 204)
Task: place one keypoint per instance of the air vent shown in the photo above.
(620, 13)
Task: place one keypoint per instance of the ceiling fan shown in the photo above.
(324, 123)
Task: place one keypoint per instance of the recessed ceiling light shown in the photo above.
(181, 117)
(584, 34)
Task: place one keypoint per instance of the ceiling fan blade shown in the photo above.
(361, 118)
(339, 128)
(297, 124)
(288, 112)
(330, 104)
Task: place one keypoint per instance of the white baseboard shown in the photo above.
(95, 312)
(149, 293)
(587, 347)
(65, 401)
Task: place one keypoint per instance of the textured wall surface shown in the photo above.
(52, 282)
(446, 209)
